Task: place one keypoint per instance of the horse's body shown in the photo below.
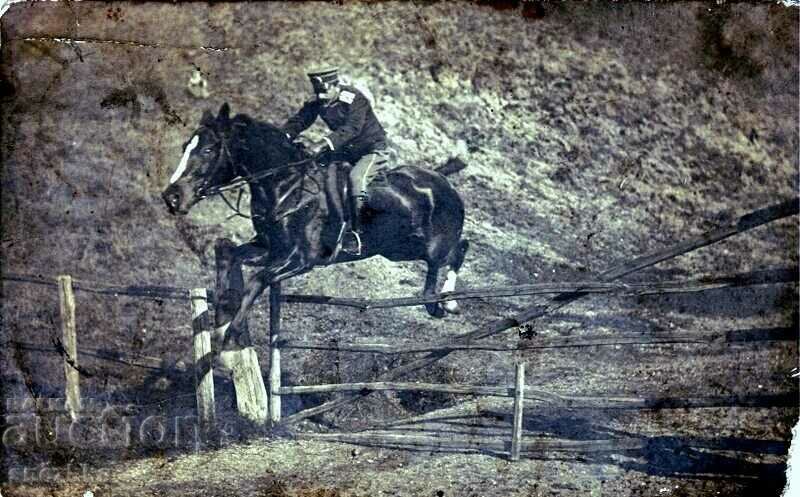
(297, 227)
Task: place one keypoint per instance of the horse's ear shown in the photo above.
(207, 118)
(224, 114)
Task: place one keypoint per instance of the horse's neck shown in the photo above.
(257, 154)
(274, 192)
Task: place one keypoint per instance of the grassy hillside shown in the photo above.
(592, 133)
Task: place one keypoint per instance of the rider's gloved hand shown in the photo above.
(319, 147)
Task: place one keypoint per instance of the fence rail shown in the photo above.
(453, 388)
(144, 362)
(402, 440)
(627, 289)
(532, 343)
(147, 291)
(764, 277)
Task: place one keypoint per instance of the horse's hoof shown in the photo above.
(435, 311)
(452, 307)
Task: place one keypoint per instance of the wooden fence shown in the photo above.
(475, 340)
(258, 401)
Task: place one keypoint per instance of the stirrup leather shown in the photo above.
(337, 247)
(341, 235)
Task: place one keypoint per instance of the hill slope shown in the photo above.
(592, 134)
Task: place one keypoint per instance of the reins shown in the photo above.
(240, 182)
(236, 210)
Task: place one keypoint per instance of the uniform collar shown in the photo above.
(330, 103)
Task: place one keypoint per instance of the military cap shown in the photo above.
(320, 76)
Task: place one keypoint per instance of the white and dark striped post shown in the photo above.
(203, 359)
(274, 352)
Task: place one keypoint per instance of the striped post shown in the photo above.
(203, 359)
(274, 352)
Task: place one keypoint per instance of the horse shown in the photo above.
(413, 214)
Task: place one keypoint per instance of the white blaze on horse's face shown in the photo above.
(184, 160)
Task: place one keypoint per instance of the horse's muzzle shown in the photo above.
(172, 197)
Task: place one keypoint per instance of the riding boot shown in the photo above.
(352, 244)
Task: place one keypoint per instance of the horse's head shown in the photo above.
(206, 163)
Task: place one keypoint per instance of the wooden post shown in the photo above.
(519, 399)
(251, 394)
(66, 300)
(274, 352)
(241, 358)
(203, 359)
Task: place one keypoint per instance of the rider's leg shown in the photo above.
(332, 187)
(361, 174)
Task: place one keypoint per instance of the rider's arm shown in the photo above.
(358, 107)
(301, 121)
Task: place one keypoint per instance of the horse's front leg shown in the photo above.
(290, 266)
(230, 280)
(255, 287)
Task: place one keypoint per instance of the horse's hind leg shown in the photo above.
(454, 260)
(434, 309)
(439, 255)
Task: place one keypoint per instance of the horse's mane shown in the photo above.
(256, 139)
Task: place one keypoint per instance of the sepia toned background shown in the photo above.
(592, 133)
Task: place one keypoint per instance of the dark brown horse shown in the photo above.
(413, 214)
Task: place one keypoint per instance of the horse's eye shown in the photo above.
(208, 151)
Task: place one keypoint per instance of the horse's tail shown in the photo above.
(452, 166)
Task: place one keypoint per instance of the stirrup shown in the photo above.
(340, 243)
(358, 244)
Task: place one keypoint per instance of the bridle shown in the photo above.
(204, 191)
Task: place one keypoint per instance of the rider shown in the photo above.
(356, 137)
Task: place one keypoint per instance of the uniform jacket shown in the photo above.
(355, 129)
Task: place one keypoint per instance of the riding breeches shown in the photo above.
(365, 170)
